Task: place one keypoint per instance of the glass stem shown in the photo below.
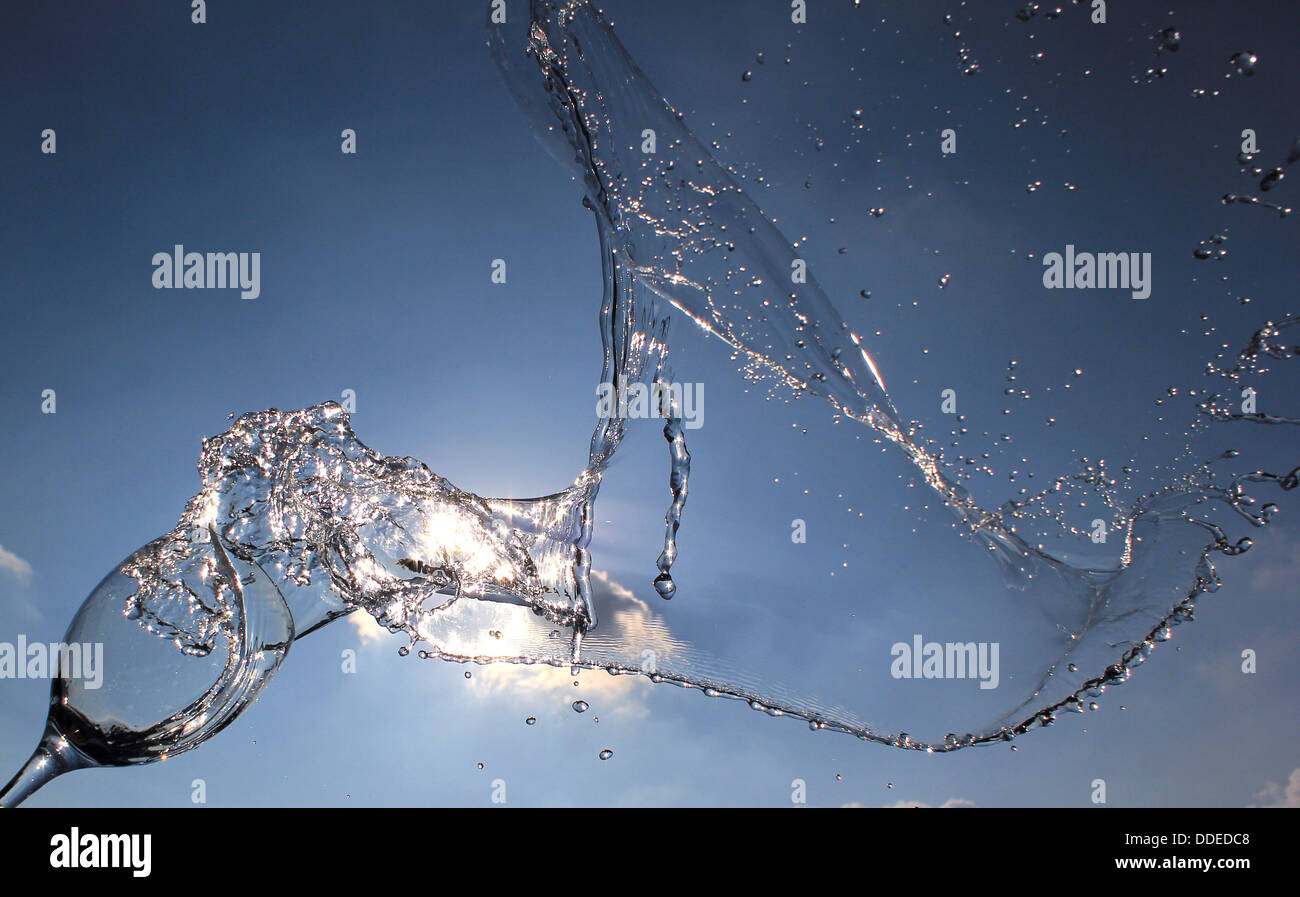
(53, 757)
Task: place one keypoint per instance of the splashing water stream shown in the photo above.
(298, 523)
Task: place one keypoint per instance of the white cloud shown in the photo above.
(1275, 795)
(617, 588)
(14, 564)
(368, 629)
(626, 693)
(950, 803)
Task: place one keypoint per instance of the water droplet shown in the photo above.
(1244, 63)
(532, 721)
(606, 754)
(665, 586)
(580, 706)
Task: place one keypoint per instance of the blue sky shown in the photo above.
(375, 278)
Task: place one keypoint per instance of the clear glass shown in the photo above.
(153, 700)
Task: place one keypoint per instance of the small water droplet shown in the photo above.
(1244, 63)
(665, 586)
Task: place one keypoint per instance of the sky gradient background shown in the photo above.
(375, 278)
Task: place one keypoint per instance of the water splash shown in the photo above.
(336, 526)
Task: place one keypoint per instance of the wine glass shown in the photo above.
(154, 699)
